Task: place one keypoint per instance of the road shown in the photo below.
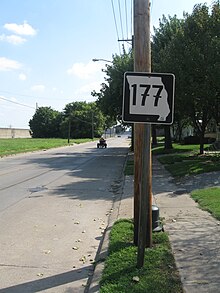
(54, 208)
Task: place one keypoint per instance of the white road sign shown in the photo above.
(148, 98)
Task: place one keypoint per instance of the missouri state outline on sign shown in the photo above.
(148, 97)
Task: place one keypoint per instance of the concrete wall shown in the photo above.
(14, 133)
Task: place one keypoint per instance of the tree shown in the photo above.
(45, 123)
(165, 59)
(85, 120)
(190, 49)
(109, 100)
(216, 66)
(202, 47)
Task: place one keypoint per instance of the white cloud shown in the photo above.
(9, 64)
(88, 88)
(15, 40)
(38, 88)
(21, 29)
(22, 76)
(85, 71)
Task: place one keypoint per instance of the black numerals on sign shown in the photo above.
(157, 96)
(146, 93)
(134, 94)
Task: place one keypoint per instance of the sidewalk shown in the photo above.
(194, 234)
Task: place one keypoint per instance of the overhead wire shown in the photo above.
(131, 17)
(122, 32)
(123, 21)
(113, 9)
(126, 15)
(20, 104)
(30, 96)
(84, 121)
(16, 94)
(126, 18)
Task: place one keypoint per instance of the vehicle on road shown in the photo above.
(102, 143)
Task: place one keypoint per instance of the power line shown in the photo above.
(113, 9)
(30, 96)
(16, 103)
(22, 95)
(131, 17)
(74, 117)
(123, 20)
(119, 7)
(126, 14)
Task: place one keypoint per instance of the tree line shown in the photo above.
(77, 120)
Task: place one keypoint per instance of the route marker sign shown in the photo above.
(148, 97)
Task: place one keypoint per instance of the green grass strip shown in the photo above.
(182, 160)
(159, 274)
(177, 148)
(190, 163)
(10, 146)
(209, 200)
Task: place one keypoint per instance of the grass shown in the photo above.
(177, 148)
(182, 160)
(190, 163)
(21, 145)
(159, 274)
(209, 200)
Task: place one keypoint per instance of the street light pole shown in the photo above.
(95, 60)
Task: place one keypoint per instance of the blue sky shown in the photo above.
(47, 47)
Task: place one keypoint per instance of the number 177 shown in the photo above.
(146, 94)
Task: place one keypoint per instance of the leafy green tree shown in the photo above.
(83, 120)
(45, 123)
(164, 60)
(216, 66)
(110, 97)
(190, 49)
(202, 59)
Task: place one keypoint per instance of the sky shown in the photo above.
(47, 47)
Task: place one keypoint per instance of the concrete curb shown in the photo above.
(102, 253)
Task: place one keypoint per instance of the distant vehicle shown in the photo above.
(102, 143)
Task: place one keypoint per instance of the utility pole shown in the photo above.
(142, 137)
(69, 128)
(92, 125)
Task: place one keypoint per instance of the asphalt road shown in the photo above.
(54, 208)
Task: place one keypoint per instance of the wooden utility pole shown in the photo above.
(142, 137)
(69, 129)
(92, 125)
